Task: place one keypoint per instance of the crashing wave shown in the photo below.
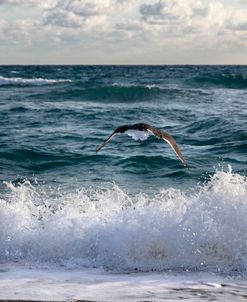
(200, 230)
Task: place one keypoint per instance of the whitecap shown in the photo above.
(27, 81)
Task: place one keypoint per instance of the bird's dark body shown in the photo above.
(139, 126)
(142, 127)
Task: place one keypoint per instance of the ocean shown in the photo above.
(129, 223)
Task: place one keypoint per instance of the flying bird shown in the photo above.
(141, 132)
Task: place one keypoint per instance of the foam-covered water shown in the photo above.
(132, 207)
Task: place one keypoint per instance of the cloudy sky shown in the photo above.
(123, 31)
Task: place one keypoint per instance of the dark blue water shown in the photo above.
(54, 117)
(132, 206)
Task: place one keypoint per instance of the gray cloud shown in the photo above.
(158, 13)
(45, 4)
(152, 9)
(84, 9)
(193, 17)
(63, 18)
(10, 2)
(76, 13)
(240, 26)
(133, 27)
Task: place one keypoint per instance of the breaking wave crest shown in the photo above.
(204, 229)
(6, 81)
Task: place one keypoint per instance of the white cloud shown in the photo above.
(141, 26)
(20, 32)
(2, 24)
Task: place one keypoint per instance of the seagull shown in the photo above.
(141, 132)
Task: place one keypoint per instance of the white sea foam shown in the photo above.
(203, 230)
(26, 81)
(58, 284)
(130, 85)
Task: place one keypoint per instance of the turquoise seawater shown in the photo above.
(54, 117)
(132, 206)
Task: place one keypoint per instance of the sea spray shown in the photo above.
(204, 229)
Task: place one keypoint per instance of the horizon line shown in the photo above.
(106, 64)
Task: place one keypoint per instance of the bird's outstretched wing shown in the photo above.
(156, 132)
(105, 142)
(120, 129)
(170, 140)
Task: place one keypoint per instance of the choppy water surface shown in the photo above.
(132, 207)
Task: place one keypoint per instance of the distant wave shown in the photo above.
(130, 92)
(129, 85)
(201, 230)
(119, 93)
(235, 81)
(5, 81)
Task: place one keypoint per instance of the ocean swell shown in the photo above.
(234, 81)
(204, 229)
